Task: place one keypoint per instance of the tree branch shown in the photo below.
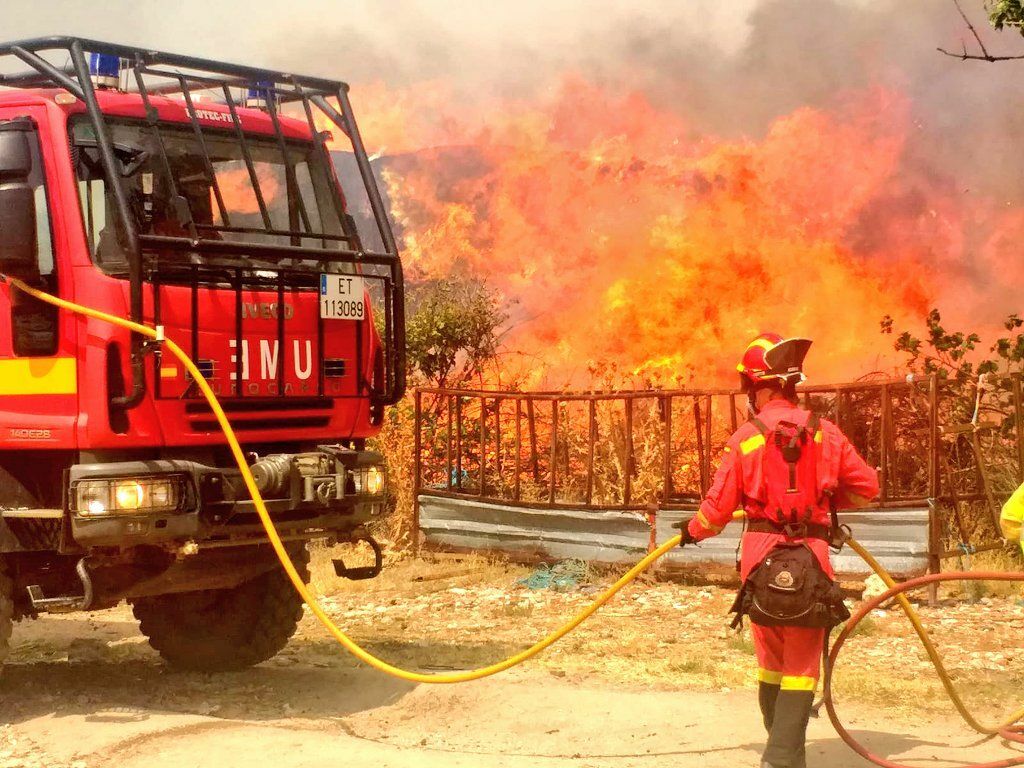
(977, 57)
(984, 55)
(971, 27)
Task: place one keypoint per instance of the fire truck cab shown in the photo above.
(201, 198)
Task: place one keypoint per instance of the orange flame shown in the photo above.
(623, 241)
(237, 190)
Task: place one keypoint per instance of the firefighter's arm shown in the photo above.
(857, 484)
(1012, 516)
(722, 499)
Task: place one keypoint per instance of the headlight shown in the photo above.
(374, 481)
(129, 495)
(368, 480)
(142, 495)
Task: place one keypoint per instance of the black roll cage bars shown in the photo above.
(181, 75)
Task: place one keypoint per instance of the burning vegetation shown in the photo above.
(629, 248)
(638, 212)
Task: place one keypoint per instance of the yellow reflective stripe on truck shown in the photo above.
(39, 376)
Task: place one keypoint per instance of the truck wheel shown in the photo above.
(224, 630)
(6, 611)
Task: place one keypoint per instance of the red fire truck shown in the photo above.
(236, 209)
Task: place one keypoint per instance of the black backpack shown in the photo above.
(789, 588)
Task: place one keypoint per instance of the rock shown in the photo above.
(874, 586)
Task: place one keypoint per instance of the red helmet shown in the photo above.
(770, 358)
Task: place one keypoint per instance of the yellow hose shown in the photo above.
(473, 674)
(933, 654)
(282, 553)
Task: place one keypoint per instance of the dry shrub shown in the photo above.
(395, 441)
(508, 453)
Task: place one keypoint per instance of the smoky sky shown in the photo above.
(729, 68)
(967, 116)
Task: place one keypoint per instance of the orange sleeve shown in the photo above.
(854, 477)
(723, 498)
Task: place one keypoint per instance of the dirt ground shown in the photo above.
(654, 680)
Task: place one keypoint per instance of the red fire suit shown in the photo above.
(787, 656)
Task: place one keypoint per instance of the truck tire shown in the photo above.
(225, 630)
(6, 611)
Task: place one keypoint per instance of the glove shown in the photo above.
(684, 531)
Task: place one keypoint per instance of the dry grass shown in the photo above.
(742, 643)
(462, 612)
(866, 627)
(404, 574)
(1005, 560)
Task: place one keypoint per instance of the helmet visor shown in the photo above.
(786, 359)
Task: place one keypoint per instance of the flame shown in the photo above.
(622, 240)
(237, 191)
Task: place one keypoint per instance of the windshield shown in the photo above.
(181, 198)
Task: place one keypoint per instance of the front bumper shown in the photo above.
(309, 495)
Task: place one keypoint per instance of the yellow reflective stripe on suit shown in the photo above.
(751, 444)
(798, 683)
(708, 525)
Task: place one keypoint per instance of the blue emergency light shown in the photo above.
(105, 69)
(260, 95)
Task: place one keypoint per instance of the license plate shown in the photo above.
(342, 297)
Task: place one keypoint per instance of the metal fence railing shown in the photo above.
(630, 450)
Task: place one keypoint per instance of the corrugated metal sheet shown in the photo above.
(466, 524)
(897, 537)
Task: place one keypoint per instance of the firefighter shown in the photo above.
(1012, 516)
(789, 471)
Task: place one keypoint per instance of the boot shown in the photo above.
(766, 695)
(786, 741)
(800, 763)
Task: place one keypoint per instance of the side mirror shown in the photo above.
(18, 247)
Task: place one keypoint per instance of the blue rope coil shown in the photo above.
(561, 577)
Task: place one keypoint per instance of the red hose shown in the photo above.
(1014, 733)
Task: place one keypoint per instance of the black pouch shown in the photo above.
(789, 589)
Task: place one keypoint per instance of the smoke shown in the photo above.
(803, 52)
(729, 70)
(721, 141)
(872, 175)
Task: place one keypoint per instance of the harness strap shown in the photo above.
(810, 428)
(761, 427)
(801, 531)
(813, 423)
